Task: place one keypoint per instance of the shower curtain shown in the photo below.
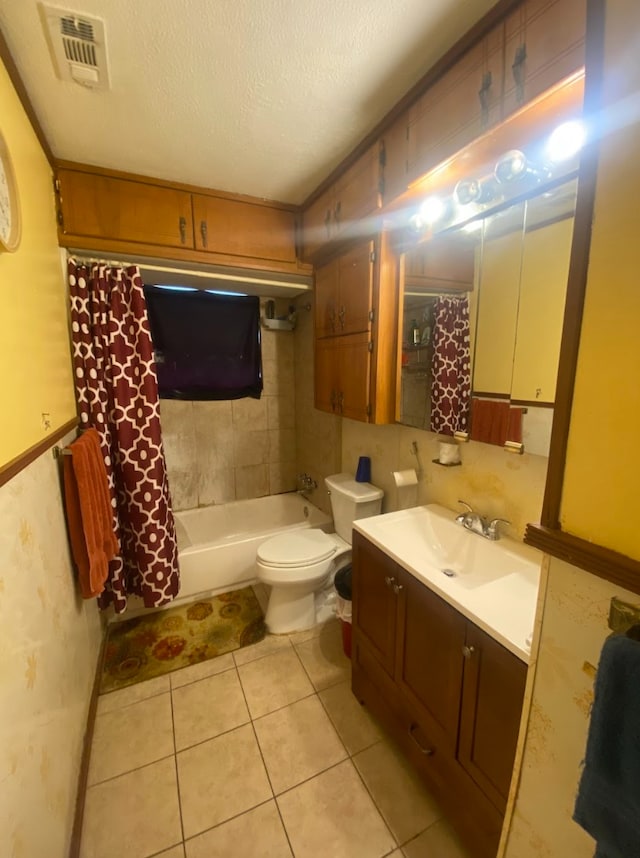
(450, 392)
(117, 394)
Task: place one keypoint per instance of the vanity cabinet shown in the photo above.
(355, 322)
(355, 194)
(449, 694)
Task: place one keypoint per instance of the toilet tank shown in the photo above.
(351, 500)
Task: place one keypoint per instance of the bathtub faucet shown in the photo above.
(306, 484)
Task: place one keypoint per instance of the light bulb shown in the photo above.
(431, 210)
(566, 141)
(512, 165)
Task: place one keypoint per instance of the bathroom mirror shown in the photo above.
(507, 272)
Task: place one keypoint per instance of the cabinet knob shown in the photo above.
(334, 400)
(182, 223)
(341, 316)
(203, 232)
(468, 651)
(428, 752)
(341, 402)
(392, 584)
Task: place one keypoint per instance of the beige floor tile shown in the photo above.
(136, 814)
(133, 736)
(332, 814)
(274, 682)
(306, 635)
(220, 779)
(323, 658)
(210, 667)
(298, 742)
(354, 724)
(438, 841)
(132, 694)
(256, 834)
(176, 852)
(267, 646)
(397, 791)
(207, 708)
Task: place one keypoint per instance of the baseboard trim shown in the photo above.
(83, 775)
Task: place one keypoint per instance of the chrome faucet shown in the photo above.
(477, 523)
(306, 484)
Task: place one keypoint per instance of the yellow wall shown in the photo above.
(35, 365)
(603, 459)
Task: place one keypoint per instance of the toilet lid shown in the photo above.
(297, 548)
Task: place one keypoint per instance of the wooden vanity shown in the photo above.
(446, 691)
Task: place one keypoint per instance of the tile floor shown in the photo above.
(260, 753)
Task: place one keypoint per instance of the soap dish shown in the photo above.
(446, 464)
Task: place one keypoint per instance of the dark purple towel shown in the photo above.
(608, 802)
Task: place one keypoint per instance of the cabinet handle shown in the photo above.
(183, 229)
(333, 400)
(327, 223)
(341, 316)
(389, 581)
(332, 320)
(428, 752)
(483, 95)
(341, 402)
(468, 651)
(336, 212)
(203, 232)
(518, 72)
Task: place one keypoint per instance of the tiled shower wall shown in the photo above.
(245, 448)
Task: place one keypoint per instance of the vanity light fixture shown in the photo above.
(511, 166)
(467, 191)
(432, 210)
(566, 141)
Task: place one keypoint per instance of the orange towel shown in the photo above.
(489, 420)
(89, 514)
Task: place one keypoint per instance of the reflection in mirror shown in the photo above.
(512, 269)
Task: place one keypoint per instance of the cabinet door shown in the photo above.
(326, 300)
(431, 661)
(124, 210)
(355, 290)
(494, 681)
(354, 376)
(375, 602)
(357, 191)
(240, 228)
(325, 375)
(459, 106)
(394, 159)
(318, 224)
(544, 43)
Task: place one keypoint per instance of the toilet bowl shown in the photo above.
(300, 566)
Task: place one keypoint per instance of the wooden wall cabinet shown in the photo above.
(104, 207)
(355, 194)
(355, 319)
(449, 694)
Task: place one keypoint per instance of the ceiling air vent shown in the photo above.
(78, 46)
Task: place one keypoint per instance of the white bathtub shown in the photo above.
(217, 545)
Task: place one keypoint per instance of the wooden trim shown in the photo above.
(83, 774)
(604, 562)
(532, 403)
(473, 35)
(578, 271)
(176, 186)
(9, 471)
(23, 95)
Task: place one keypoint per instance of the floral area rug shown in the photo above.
(162, 641)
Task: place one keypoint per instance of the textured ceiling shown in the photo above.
(262, 97)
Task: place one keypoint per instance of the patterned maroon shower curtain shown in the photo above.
(450, 392)
(117, 394)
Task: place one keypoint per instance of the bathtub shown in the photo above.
(217, 545)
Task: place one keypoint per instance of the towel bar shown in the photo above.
(60, 451)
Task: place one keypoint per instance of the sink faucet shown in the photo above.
(477, 523)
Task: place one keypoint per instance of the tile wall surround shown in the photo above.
(574, 628)
(50, 644)
(234, 450)
(496, 483)
(318, 434)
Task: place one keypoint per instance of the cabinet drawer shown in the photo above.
(123, 210)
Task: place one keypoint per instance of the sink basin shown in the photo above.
(493, 583)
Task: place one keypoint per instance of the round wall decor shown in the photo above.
(10, 224)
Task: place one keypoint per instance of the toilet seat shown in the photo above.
(298, 548)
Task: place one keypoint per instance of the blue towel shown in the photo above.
(608, 802)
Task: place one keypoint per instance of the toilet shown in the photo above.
(300, 566)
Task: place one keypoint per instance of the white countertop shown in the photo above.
(495, 583)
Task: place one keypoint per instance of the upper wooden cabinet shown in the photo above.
(353, 196)
(393, 159)
(240, 228)
(544, 43)
(109, 208)
(459, 106)
(344, 292)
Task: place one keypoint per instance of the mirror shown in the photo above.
(507, 271)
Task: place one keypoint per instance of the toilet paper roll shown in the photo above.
(405, 478)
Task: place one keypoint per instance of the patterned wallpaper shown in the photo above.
(50, 643)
